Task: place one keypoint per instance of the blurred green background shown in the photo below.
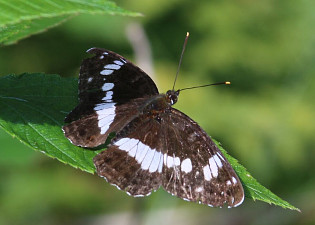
(265, 118)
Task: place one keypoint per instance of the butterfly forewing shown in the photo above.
(101, 91)
(100, 81)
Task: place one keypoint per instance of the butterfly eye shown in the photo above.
(173, 99)
(172, 96)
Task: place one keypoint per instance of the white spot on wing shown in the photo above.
(90, 79)
(122, 141)
(161, 163)
(228, 182)
(218, 161)
(142, 151)
(150, 159)
(105, 122)
(220, 155)
(101, 57)
(165, 159)
(186, 165)
(106, 115)
(105, 53)
(107, 86)
(147, 159)
(112, 67)
(213, 167)
(127, 146)
(118, 62)
(106, 72)
(207, 173)
(234, 180)
(123, 60)
(170, 162)
(155, 162)
(132, 152)
(199, 189)
(102, 106)
(177, 161)
(109, 96)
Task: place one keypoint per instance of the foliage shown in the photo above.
(33, 108)
(20, 19)
(265, 118)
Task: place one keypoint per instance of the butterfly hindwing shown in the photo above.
(195, 168)
(93, 129)
(172, 151)
(134, 161)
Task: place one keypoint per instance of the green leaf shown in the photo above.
(252, 188)
(19, 18)
(14, 32)
(33, 106)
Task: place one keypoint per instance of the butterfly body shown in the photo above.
(155, 145)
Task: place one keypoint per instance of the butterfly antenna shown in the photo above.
(181, 57)
(206, 85)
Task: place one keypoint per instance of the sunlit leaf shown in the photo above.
(33, 106)
(252, 188)
(19, 18)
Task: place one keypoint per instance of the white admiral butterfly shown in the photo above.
(155, 145)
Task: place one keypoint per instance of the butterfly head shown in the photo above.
(172, 96)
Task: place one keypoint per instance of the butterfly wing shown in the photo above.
(162, 148)
(195, 168)
(133, 161)
(107, 81)
(173, 151)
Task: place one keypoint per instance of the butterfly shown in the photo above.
(155, 144)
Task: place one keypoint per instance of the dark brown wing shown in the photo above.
(134, 161)
(195, 168)
(173, 151)
(93, 129)
(107, 81)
